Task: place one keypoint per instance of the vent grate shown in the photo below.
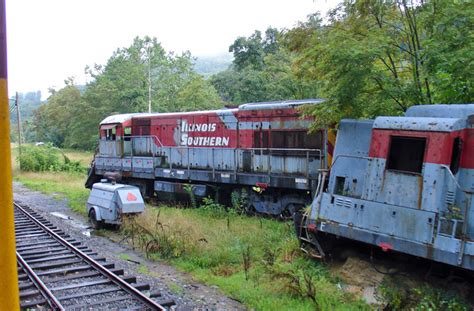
(450, 196)
(343, 202)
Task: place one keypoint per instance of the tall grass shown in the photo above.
(255, 260)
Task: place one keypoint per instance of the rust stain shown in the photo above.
(420, 190)
(429, 251)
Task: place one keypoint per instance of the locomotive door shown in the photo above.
(127, 141)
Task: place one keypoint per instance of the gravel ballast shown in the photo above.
(187, 293)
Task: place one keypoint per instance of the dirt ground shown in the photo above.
(187, 293)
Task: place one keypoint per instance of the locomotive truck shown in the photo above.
(400, 183)
(264, 148)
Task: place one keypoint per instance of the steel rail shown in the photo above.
(52, 301)
(93, 263)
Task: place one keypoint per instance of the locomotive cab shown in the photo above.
(111, 139)
(404, 183)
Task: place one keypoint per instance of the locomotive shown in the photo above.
(400, 183)
(264, 149)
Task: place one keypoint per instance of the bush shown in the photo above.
(214, 209)
(46, 158)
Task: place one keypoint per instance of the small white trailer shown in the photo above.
(109, 201)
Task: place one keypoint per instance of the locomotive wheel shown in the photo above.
(93, 220)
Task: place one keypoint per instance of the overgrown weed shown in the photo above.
(249, 259)
(397, 295)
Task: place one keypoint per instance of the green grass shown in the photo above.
(212, 249)
(175, 288)
(63, 185)
(143, 269)
(124, 256)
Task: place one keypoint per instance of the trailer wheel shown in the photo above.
(93, 220)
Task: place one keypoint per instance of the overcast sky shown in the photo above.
(51, 40)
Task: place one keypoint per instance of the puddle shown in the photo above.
(76, 224)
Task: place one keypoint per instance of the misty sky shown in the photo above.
(51, 40)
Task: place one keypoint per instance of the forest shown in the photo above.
(366, 57)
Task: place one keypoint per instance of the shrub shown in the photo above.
(213, 209)
(46, 158)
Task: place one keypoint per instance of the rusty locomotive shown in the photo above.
(264, 148)
(400, 183)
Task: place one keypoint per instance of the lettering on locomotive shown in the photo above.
(187, 140)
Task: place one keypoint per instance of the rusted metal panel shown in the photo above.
(393, 220)
(420, 124)
(404, 183)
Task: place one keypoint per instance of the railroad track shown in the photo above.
(56, 272)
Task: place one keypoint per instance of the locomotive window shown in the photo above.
(110, 134)
(456, 155)
(406, 154)
(127, 132)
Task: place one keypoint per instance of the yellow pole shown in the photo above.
(9, 296)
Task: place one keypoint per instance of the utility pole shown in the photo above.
(18, 121)
(149, 79)
(9, 294)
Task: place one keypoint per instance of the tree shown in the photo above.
(261, 71)
(380, 57)
(52, 122)
(123, 85)
(198, 94)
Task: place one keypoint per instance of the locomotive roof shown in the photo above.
(120, 118)
(280, 104)
(441, 111)
(420, 124)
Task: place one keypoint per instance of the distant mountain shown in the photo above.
(209, 65)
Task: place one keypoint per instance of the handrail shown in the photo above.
(465, 216)
(455, 180)
(348, 156)
(154, 149)
(144, 136)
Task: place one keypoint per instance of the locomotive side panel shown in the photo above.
(415, 195)
(258, 144)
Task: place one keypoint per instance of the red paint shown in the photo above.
(262, 185)
(312, 228)
(205, 129)
(439, 145)
(386, 246)
(131, 197)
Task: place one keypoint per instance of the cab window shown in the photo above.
(406, 154)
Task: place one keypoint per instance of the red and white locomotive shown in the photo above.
(262, 146)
